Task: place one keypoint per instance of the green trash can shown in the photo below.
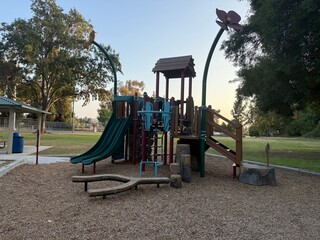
(18, 142)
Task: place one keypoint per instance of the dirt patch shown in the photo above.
(41, 202)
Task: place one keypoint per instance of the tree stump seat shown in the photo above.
(257, 175)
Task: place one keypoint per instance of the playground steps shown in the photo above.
(221, 148)
(129, 183)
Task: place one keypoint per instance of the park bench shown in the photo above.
(129, 183)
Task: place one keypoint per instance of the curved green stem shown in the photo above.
(203, 106)
(112, 65)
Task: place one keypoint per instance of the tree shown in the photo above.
(267, 124)
(278, 55)
(52, 61)
(104, 114)
(304, 121)
(129, 88)
(242, 111)
(61, 111)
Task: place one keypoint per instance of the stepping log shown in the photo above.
(100, 177)
(174, 168)
(257, 175)
(185, 168)
(129, 183)
(175, 181)
(181, 149)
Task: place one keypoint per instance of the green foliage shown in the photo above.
(254, 131)
(278, 55)
(304, 122)
(315, 133)
(61, 111)
(131, 87)
(267, 124)
(9, 75)
(242, 110)
(104, 114)
(52, 61)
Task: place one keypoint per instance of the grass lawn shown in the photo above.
(63, 143)
(292, 152)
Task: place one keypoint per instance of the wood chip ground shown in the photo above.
(41, 202)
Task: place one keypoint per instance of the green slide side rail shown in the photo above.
(110, 134)
(101, 141)
(116, 140)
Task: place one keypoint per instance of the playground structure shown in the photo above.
(138, 124)
(142, 129)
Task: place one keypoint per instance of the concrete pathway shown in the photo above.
(10, 161)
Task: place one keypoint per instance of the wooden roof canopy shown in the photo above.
(173, 67)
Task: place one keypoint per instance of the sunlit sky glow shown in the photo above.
(142, 31)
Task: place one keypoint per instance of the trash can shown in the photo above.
(18, 140)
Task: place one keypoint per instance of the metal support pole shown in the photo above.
(37, 147)
(203, 106)
(73, 115)
(171, 132)
(112, 66)
(135, 126)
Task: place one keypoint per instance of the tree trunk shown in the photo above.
(43, 123)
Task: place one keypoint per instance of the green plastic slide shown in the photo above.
(110, 140)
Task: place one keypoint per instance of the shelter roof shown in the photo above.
(173, 67)
(6, 104)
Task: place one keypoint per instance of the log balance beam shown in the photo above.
(129, 183)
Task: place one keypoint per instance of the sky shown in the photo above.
(142, 31)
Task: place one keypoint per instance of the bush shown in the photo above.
(304, 122)
(315, 133)
(253, 132)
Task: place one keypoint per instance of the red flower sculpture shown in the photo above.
(230, 19)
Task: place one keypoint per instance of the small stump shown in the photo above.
(174, 168)
(185, 168)
(175, 181)
(257, 175)
(181, 149)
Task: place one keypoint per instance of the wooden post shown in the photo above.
(174, 168)
(11, 127)
(181, 149)
(267, 153)
(167, 88)
(209, 117)
(239, 145)
(157, 84)
(175, 181)
(181, 115)
(185, 168)
(190, 87)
